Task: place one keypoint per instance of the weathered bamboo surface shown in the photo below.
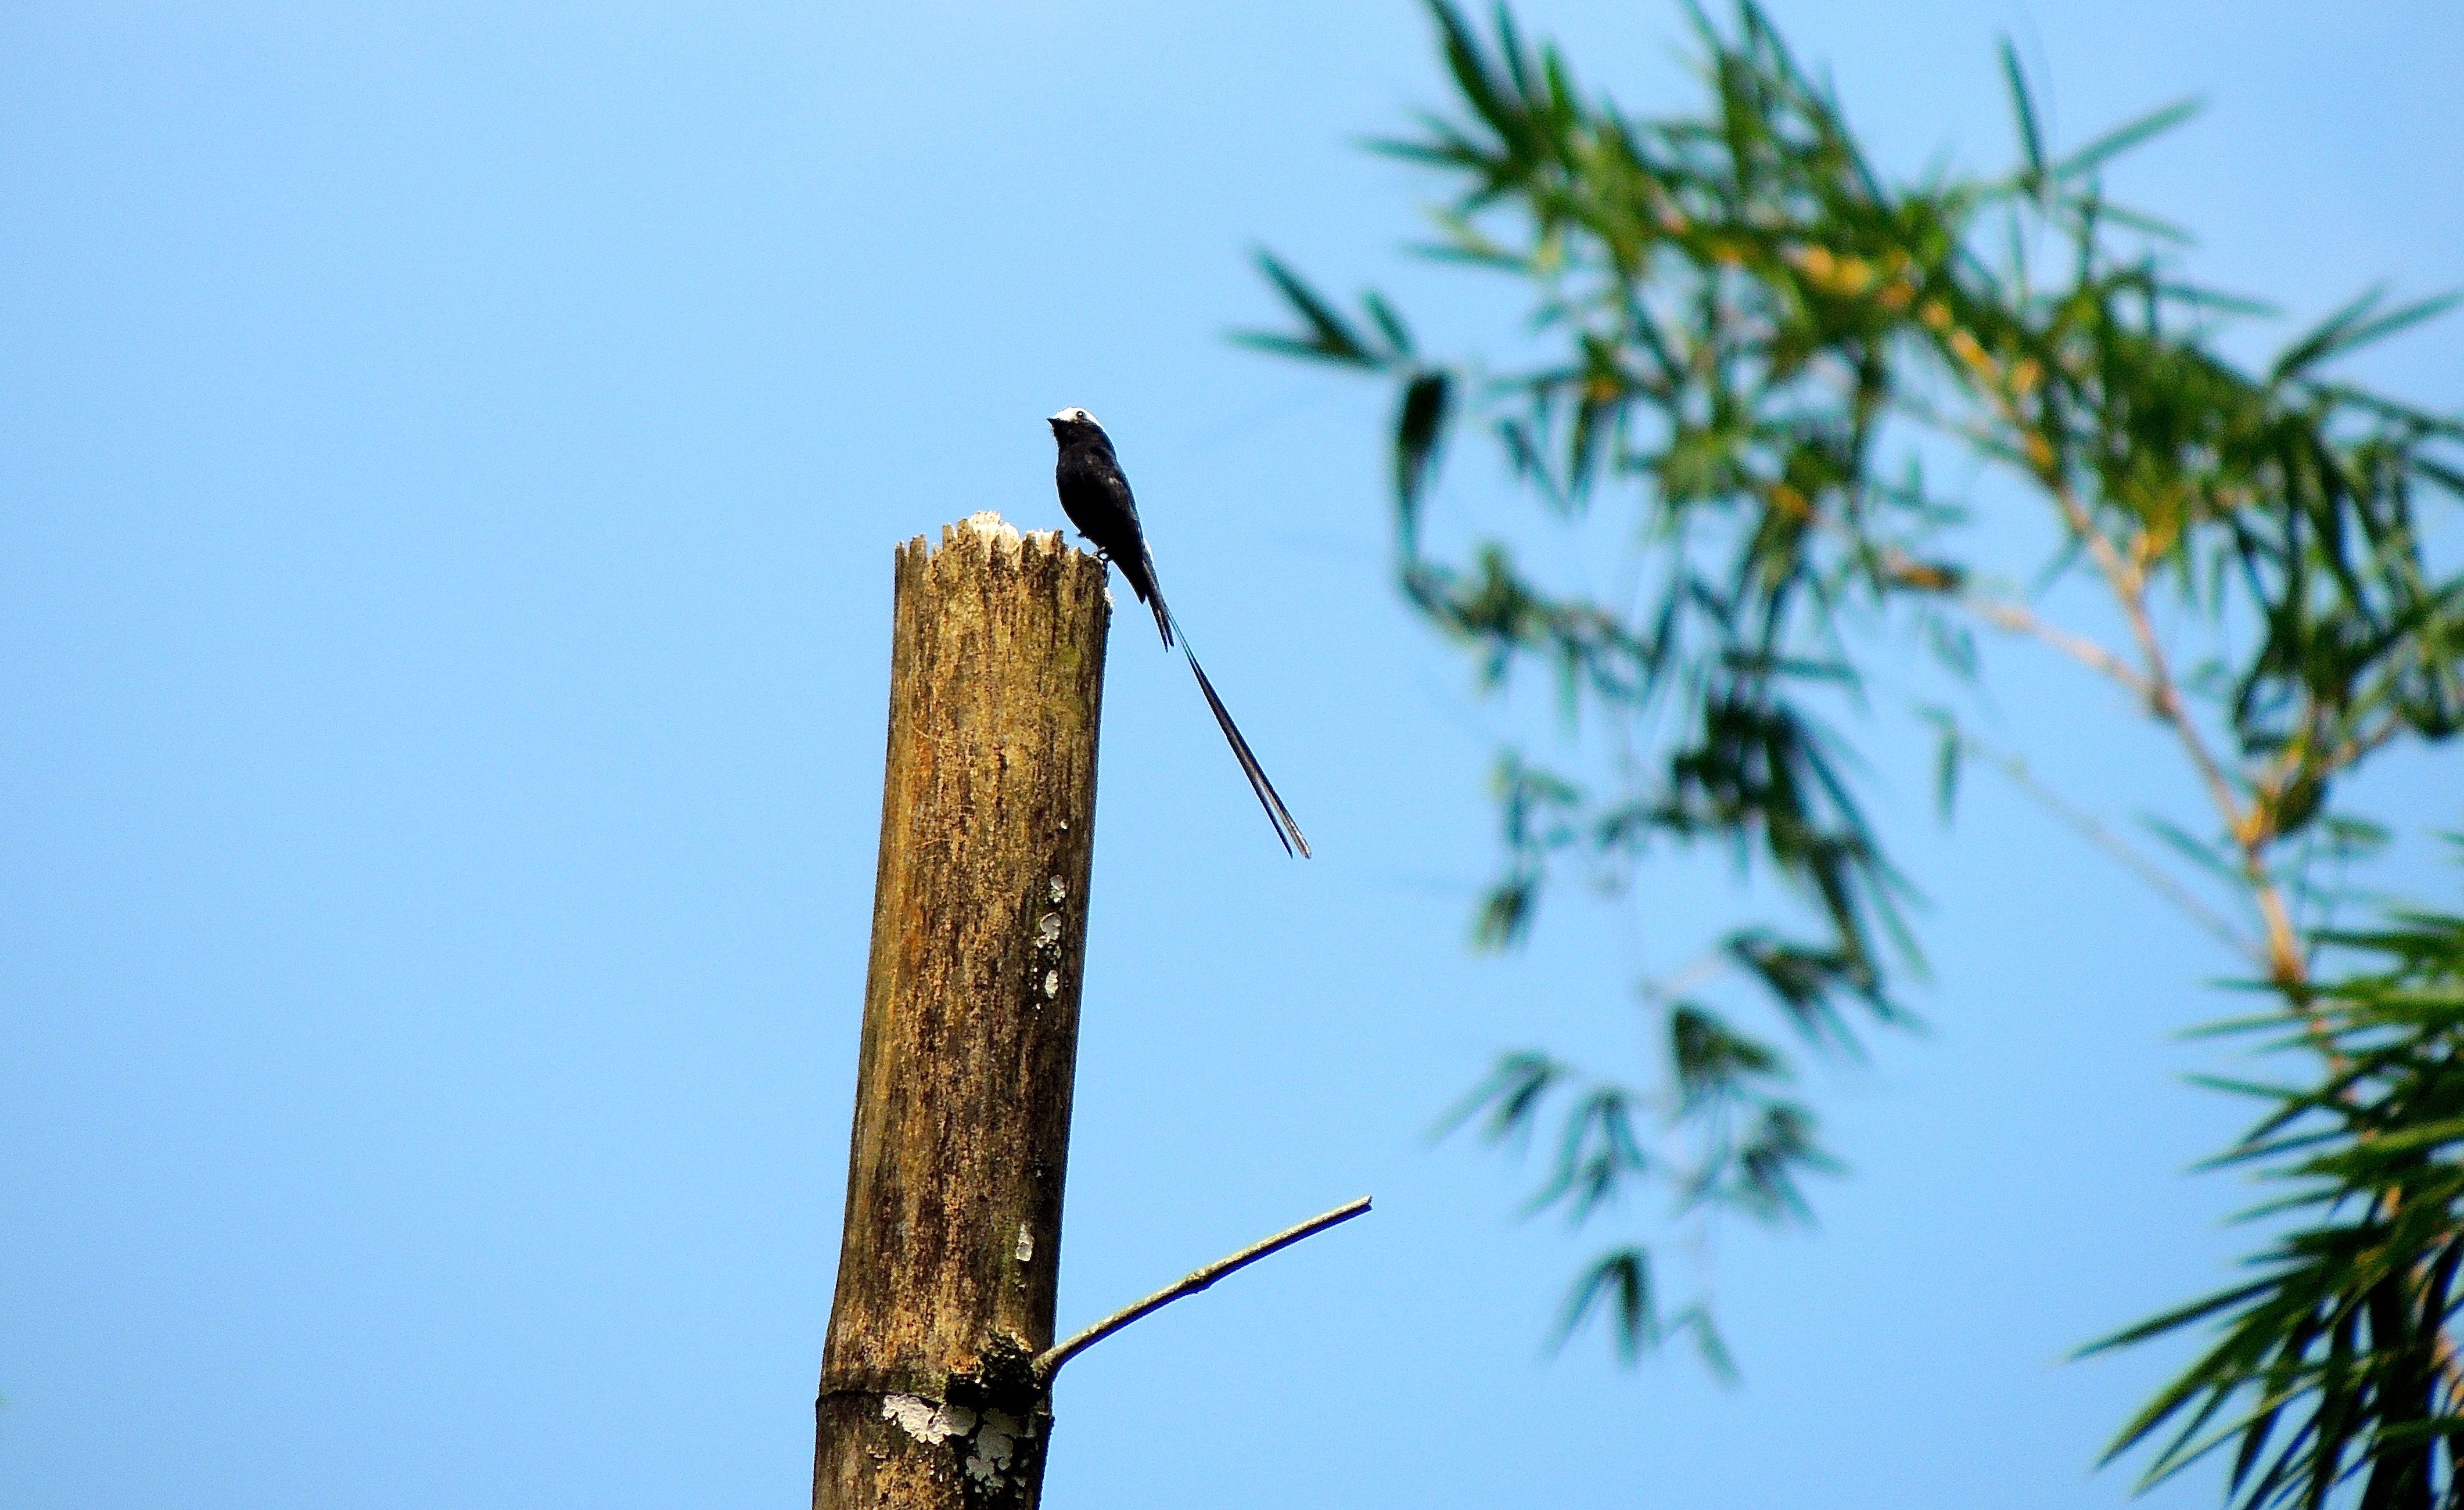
(952, 1231)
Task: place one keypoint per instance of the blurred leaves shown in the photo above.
(1734, 1141)
(1742, 342)
(2334, 1368)
(1619, 1283)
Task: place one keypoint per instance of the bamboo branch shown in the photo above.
(2089, 827)
(2017, 620)
(1048, 1362)
(2128, 581)
(2285, 964)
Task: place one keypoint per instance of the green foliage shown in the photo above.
(1620, 1282)
(1742, 341)
(2335, 1365)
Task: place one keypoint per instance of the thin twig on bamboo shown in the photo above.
(1048, 1362)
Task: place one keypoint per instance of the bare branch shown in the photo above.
(2017, 620)
(2128, 581)
(2093, 829)
(1048, 1362)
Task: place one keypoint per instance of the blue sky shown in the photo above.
(452, 456)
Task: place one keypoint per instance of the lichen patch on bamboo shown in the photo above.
(931, 1421)
(988, 1439)
(994, 1446)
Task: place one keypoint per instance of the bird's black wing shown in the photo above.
(1129, 550)
(1096, 497)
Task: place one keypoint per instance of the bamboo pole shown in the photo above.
(929, 1394)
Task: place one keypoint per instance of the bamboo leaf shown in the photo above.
(2031, 141)
(1329, 339)
(2121, 138)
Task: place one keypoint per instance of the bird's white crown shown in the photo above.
(1075, 416)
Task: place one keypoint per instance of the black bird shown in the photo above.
(1096, 497)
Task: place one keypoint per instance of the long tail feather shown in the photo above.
(1277, 814)
(1142, 581)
